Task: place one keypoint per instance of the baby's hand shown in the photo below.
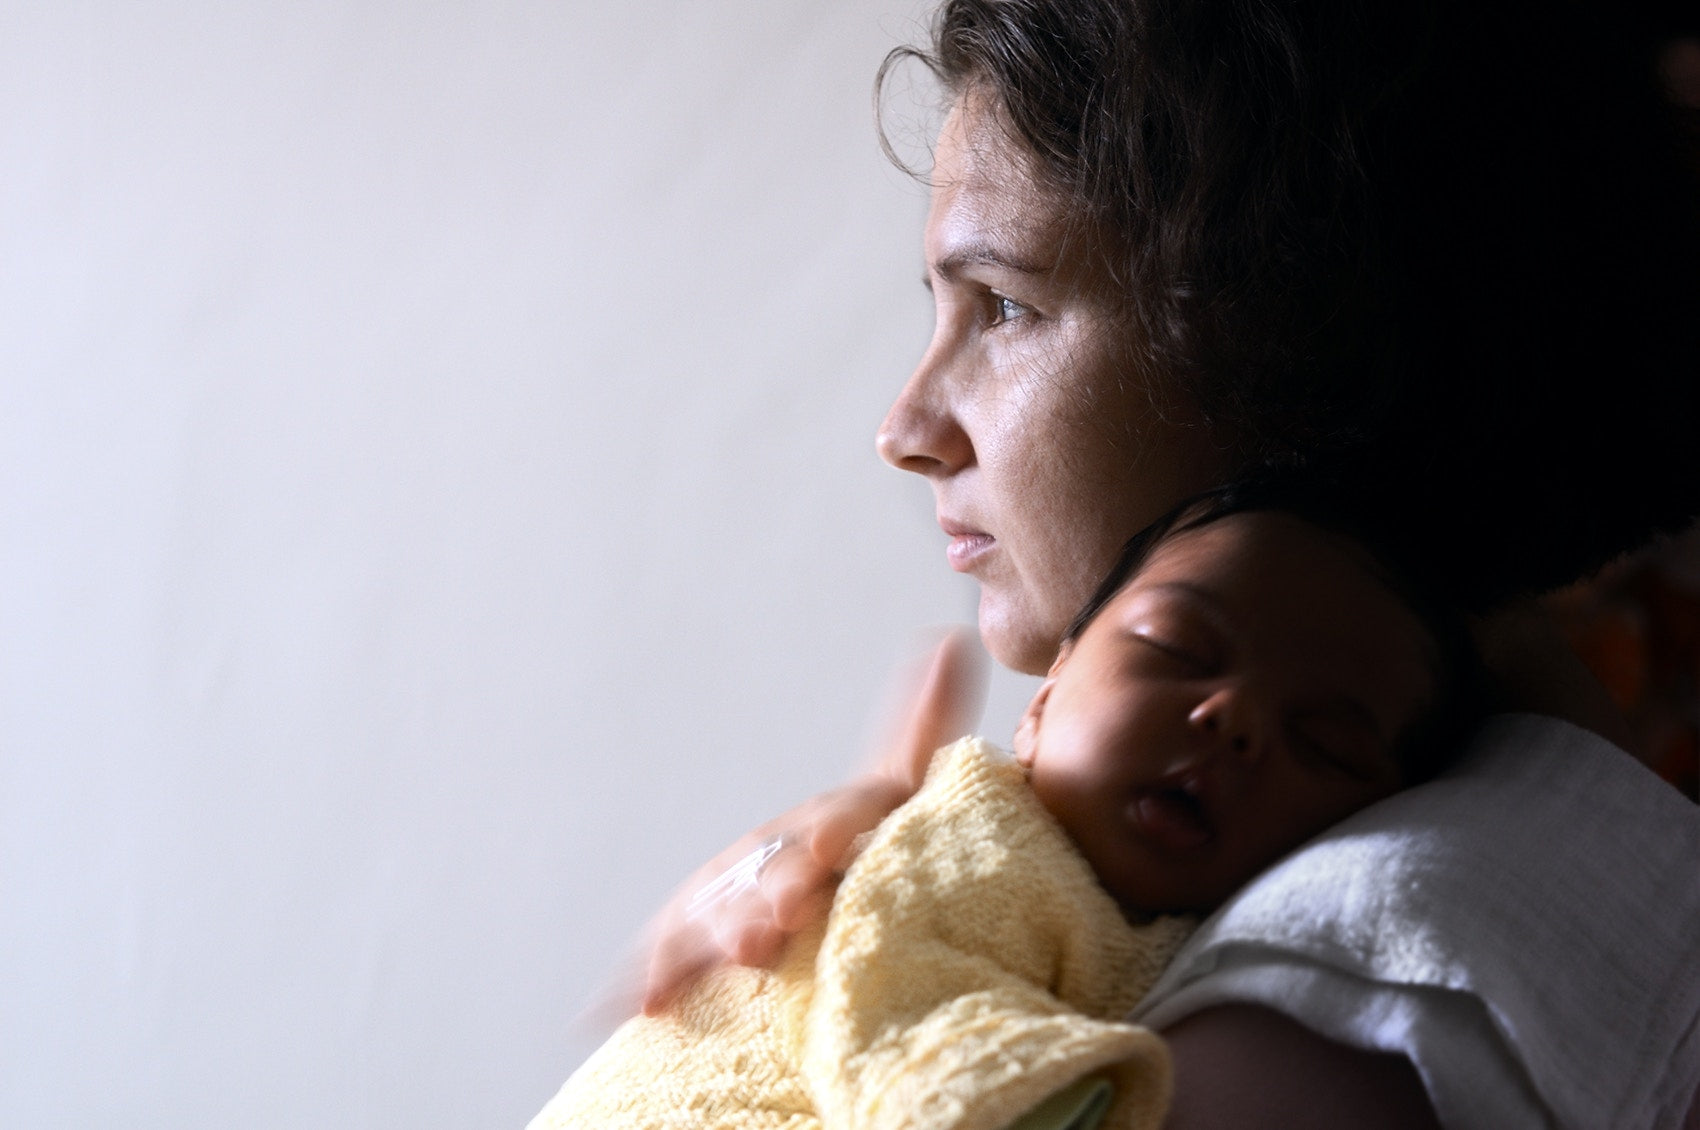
(748, 900)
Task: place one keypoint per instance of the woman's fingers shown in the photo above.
(750, 938)
(679, 953)
(752, 897)
(792, 883)
(810, 907)
(941, 706)
(845, 813)
(739, 909)
(938, 704)
(686, 938)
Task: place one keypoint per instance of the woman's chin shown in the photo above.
(1012, 637)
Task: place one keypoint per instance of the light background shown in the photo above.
(437, 510)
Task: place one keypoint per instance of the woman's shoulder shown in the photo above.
(1438, 922)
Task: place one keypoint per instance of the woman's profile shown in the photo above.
(1449, 247)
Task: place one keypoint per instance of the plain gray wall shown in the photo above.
(437, 510)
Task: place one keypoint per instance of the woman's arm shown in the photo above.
(1239, 1066)
(795, 881)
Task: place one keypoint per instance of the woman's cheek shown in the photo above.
(1014, 634)
(1026, 600)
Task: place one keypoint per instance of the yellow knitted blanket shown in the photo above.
(970, 968)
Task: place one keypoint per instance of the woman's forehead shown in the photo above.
(985, 187)
(975, 143)
(989, 209)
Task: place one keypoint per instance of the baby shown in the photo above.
(1245, 677)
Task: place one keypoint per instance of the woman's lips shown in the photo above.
(967, 544)
(1173, 817)
(966, 550)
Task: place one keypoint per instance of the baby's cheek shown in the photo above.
(1067, 797)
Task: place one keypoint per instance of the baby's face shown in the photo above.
(1245, 690)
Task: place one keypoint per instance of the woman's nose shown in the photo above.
(921, 432)
(1231, 721)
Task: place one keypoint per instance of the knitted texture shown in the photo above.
(971, 967)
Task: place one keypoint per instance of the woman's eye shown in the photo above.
(1005, 309)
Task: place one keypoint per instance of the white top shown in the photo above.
(1526, 929)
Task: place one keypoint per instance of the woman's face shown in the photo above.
(1046, 451)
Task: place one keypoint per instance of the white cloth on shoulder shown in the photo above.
(1526, 929)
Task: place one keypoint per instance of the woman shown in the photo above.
(1446, 247)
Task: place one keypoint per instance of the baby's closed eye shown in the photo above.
(1342, 740)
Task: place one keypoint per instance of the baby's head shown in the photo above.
(1243, 679)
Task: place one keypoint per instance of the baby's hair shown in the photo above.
(1437, 735)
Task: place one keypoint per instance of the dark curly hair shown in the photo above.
(1461, 235)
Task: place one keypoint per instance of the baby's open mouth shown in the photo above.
(1174, 815)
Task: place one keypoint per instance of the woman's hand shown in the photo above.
(770, 884)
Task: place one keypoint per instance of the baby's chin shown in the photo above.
(1144, 906)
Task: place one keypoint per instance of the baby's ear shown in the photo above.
(1027, 730)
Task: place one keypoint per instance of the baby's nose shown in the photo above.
(1227, 716)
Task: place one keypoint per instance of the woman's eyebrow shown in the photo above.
(982, 253)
